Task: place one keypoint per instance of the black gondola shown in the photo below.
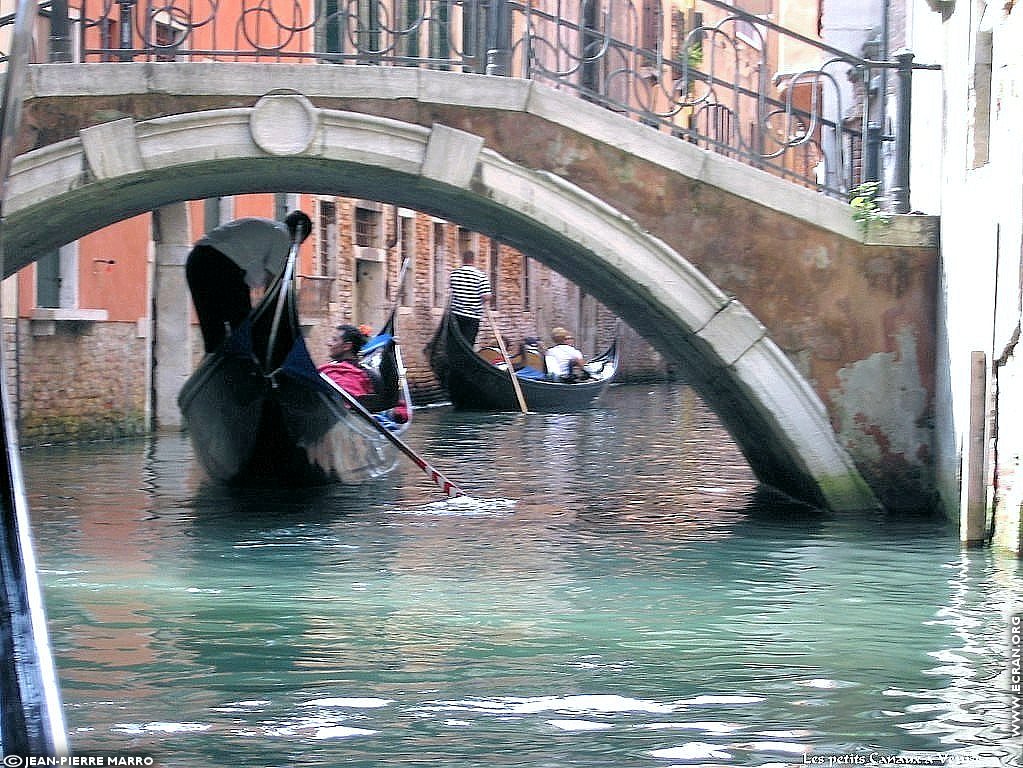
(258, 411)
(475, 383)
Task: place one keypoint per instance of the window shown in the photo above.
(59, 35)
(440, 268)
(212, 216)
(326, 240)
(592, 40)
(57, 278)
(367, 227)
(651, 31)
(284, 204)
(368, 29)
(495, 271)
(466, 242)
(688, 36)
(168, 35)
(48, 280)
(527, 282)
(747, 31)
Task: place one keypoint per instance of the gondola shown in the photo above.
(258, 412)
(475, 383)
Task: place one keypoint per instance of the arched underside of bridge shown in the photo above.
(122, 168)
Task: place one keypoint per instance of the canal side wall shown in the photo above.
(76, 381)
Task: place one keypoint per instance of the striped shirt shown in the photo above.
(468, 287)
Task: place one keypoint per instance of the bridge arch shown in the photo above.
(122, 168)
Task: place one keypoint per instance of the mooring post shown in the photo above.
(973, 515)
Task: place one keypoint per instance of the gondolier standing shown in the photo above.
(470, 288)
(227, 263)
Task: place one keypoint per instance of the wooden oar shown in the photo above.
(450, 489)
(504, 353)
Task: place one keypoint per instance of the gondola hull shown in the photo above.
(258, 412)
(475, 384)
(248, 429)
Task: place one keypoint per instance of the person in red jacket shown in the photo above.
(344, 369)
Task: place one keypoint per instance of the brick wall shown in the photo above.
(87, 381)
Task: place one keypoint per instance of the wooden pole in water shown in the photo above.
(973, 524)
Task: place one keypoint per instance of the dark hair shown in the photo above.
(298, 221)
(354, 335)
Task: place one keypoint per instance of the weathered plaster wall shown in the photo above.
(973, 122)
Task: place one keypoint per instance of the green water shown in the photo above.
(617, 593)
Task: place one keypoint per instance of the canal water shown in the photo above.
(617, 593)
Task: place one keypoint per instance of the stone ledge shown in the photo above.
(45, 320)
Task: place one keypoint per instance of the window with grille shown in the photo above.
(440, 268)
(527, 283)
(495, 270)
(651, 31)
(326, 241)
(465, 242)
(367, 228)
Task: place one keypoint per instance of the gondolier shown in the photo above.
(259, 412)
(470, 288)
(229, 262)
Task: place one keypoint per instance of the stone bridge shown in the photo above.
(813, 344)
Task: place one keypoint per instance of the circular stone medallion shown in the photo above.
(283, 124)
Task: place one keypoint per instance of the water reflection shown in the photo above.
(617, 592)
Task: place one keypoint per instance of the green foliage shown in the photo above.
(866, 206)
(694, 54)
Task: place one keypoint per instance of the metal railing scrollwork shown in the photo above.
(704, 71)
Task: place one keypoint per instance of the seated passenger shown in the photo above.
(344, 369)
(529, 360)
(564, 362)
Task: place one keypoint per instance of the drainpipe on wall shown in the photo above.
(900, 189)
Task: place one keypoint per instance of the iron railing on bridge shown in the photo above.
(704, 71)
